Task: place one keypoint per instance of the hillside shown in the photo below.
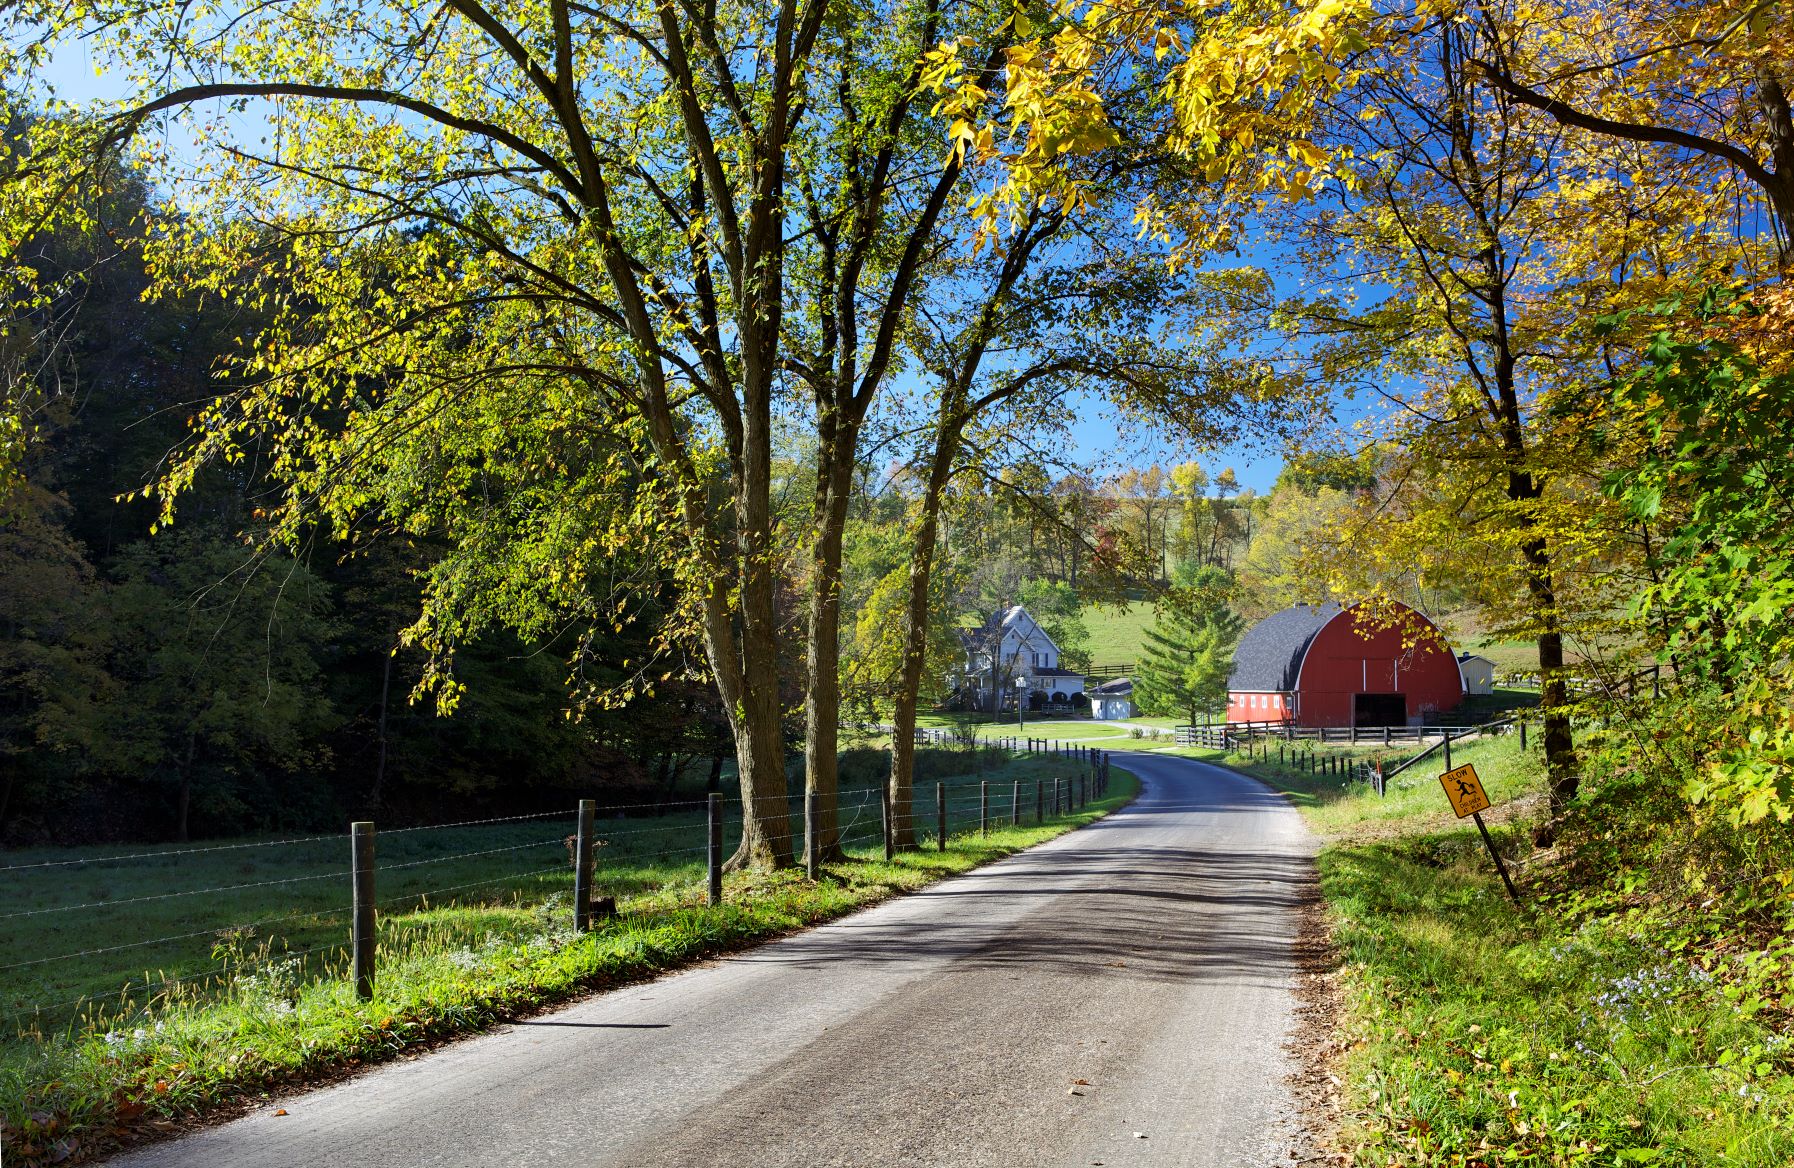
(1117, 633)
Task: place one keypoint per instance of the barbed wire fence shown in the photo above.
(327, 911)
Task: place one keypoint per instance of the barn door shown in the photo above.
(1379, 709)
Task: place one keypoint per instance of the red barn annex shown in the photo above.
(1319, 666)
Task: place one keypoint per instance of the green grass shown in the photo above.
(1084, 732)
(1483, 1034)
(1117, 634)
(261, 1018)
(1335, 805)
(101, 903)
(1560, 1034)
(1509, 656)
(1081, 730)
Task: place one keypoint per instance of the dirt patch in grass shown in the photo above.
(1315, 1044)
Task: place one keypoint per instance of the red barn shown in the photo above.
(1322, 666)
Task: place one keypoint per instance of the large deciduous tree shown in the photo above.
(1482, 250)
(584, 211)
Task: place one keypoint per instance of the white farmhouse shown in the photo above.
(1012, 646)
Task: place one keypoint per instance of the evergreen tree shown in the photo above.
(1189, 652)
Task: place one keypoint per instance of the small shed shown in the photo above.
(1479, 673)
(1327, 665)
(1112, 700)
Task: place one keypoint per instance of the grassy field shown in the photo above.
(1082, 731)
(1117, 634)
(1562, 1033)
(232, 1012)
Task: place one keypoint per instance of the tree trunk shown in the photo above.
(754, 707)
(915, 628)
(822, 697)
(1525, 489)
(1772, 99)
(760, 757)
(1554, 697)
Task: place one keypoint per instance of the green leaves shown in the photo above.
(1713, 475)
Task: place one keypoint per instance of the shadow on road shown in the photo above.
(1159, 913)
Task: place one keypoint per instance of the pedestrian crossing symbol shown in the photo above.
(1464, 790)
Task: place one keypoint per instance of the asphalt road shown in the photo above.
(1147, 955)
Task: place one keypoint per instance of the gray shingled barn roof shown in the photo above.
(1269, 656)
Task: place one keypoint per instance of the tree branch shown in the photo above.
(1631, 131)
(127, 123)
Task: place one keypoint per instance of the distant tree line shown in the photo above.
(198, 683)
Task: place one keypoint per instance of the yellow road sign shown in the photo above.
(1464, 790)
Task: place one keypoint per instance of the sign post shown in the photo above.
(1467, 797)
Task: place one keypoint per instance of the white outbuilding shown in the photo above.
(1112, 701)
(1479, 673)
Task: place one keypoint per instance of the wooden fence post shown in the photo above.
(713, 857)
(1015, 805)
(812, 853)
(361, 935)
(1448, 752)
(582, 866)
(884, 817)
(1523, 735)
(1039, 801)
(984, 808)
(940, 815)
